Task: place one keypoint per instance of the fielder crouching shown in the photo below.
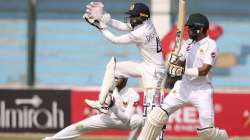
(194, 63)
(123, 114)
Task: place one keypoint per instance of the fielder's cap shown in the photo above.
(198, 20)
(139, 9)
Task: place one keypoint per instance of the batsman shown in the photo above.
(142, 33)
(194, 63)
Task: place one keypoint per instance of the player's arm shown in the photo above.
(116, 24)
(95, 10)
(199, 71)
(122, 39)
(208, 59)
(176, 62)
(124, 116)
(179, 58)
(132, 105)
(117, 110)
(204, 69)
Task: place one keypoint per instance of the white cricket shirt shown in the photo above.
(127, 101)
(145, 38)
(196, 54)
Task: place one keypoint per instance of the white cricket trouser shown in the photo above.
(151, 75)
(199, 96)
(98, 122)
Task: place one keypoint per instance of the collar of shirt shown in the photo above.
(144, 23)
(203, 41)
(199, 43)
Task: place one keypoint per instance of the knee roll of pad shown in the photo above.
(155, 121)
(158, 117)
(212, 133)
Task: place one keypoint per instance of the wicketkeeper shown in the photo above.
(142, 33)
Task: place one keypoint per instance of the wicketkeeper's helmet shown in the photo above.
(139, 9)
(138, 12)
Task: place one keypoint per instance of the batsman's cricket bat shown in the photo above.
(180, 26)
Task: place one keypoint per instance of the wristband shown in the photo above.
(192, 72)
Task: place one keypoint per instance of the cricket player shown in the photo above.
(124, 114)
(198, 54)
(142, 33)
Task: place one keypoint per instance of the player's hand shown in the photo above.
(99, 25)
(173, 58)
(175, 70)
(109, 101)
(96, 11)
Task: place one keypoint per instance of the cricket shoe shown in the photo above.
(96, 105)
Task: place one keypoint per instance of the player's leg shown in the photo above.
(96, 122)
(158, 117)
(154, 123)
(135, 124)
(212, 133)
(108, 83)
(67, 133)
(152, 78)
(107, 87)
(203, 101)
(114, 70)
(128, 69)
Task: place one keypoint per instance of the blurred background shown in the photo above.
(70, 52)
(46, 43)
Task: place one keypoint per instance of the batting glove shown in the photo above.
(173, 58)
(175, 70)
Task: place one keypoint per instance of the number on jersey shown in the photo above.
(158, 43)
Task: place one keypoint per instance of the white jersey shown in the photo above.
(196, 54)
(126, 104)
(145, 38)
(124, 116)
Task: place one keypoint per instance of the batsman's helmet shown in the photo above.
(138, 12)
(198, 24)
(198, 20)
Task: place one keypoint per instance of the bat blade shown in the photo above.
(180, 26)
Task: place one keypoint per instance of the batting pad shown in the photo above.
(108, 80)
(153, 126)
